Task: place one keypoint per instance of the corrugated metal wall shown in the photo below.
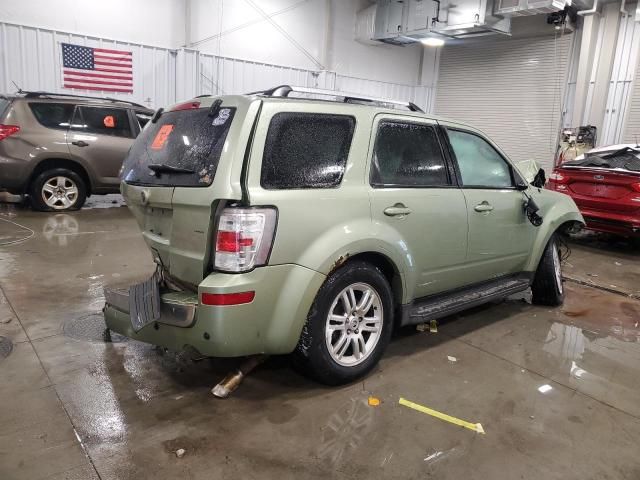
(629, 85)
(510, 88)
(200, 73)
(626, 57)
(31, 58)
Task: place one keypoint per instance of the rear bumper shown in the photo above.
(14, 174)
(609, 222)
(270, 324)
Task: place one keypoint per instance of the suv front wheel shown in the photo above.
(58, 189)
(348, 327)
(547, 288)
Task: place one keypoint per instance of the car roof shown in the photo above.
(376, 107)
(49, 97)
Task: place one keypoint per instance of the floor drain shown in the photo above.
(5, 347)
(90, 328)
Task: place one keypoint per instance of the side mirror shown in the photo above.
(540, 179)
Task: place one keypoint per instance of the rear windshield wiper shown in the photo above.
(163, 168)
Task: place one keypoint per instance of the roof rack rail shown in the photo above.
(285, 90)
(40, 94)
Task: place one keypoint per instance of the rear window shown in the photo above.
(625, 158)
(306, 150)
(53, 115)
(181, 149)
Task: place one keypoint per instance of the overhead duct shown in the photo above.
(401, 22)
(520, 8)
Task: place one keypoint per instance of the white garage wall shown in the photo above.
(200, 73)
(307, 34)
(154, 22)
(510, 88)
(31, 58)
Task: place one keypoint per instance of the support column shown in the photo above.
(603, 65)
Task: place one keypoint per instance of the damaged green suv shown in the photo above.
(283, 223)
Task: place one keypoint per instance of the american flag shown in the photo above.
(97, 69)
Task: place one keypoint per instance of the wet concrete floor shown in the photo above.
(556, 390)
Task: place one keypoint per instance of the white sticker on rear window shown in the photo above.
(223, 116)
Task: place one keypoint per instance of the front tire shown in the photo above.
(547, 288)
(58, 189)
(348, 327)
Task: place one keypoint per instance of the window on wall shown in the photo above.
(103, 121)
(306, 150)
(479, 163)
(408, 155)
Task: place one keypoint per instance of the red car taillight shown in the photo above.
(7, 130)
(636, 186)
(558, 177)
(244, 238)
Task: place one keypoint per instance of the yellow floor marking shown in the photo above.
(476, 427)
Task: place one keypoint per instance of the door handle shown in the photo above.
(483, 207)
(398, 210)
(80, 143)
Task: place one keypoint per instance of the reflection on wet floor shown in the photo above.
(555, 389)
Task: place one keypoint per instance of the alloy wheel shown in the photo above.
(59, 192)
(354, 324)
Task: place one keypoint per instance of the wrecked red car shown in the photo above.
(605, 184)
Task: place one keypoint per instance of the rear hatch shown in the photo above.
(605, 181)
(177, 172)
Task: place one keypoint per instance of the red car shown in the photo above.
(605, 184)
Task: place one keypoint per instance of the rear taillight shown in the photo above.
(636, 186)
(244, 238)
(186, 106)
(557, 177)
(7, 130)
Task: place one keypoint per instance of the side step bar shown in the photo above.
(442, 305)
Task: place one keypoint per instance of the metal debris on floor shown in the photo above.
(235, 378)
(476, 427)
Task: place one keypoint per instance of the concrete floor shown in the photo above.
(557, 390)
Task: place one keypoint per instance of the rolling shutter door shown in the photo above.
(512, 89)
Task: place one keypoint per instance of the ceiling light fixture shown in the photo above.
(432, 42)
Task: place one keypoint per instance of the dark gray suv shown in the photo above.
(59, 149)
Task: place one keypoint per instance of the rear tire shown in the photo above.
(59, 190)
(348, 327)
(547, 288)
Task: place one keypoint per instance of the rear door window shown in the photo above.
(306, 150)
(182, 148)
(408, 155)
(53, 115)
(103, 121)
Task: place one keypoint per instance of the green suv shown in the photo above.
(284, 224)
